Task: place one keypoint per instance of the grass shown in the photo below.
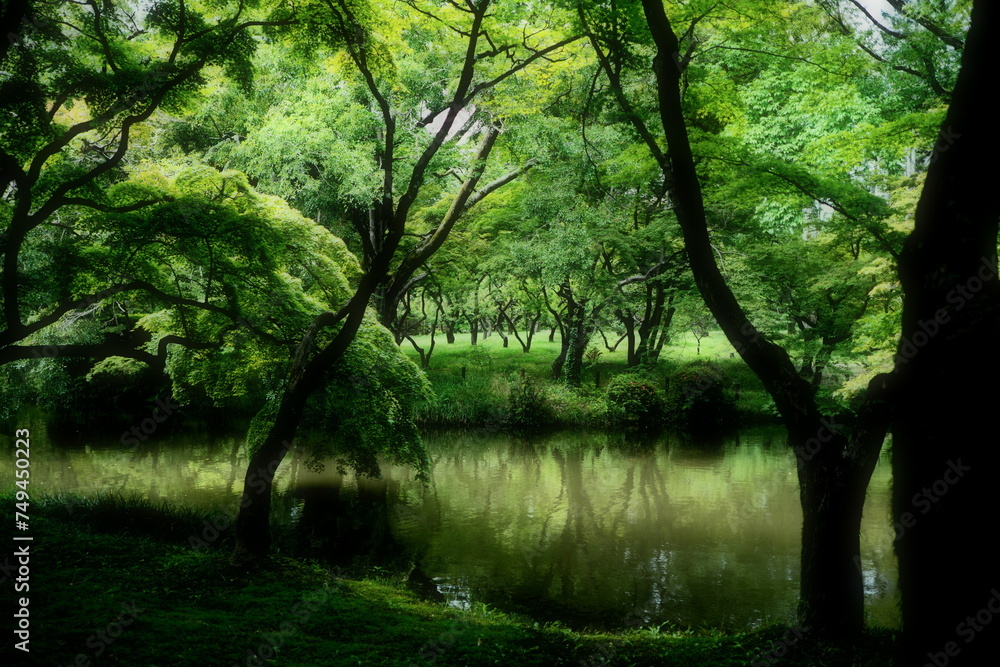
(480, 398)
(101, 596)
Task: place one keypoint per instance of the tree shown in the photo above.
(922, 40)
(943, 468)
(185, 255)
(834, 468)
(67, 128)
(936, 263)
(356, 29)
(320, 147)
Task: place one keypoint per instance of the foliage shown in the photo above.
(698, 398)
(365, 410)
(528, 405)
(634, 402)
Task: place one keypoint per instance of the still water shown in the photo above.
(585, 528)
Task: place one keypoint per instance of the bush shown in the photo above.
(527, 404)
(633, 402)
(698, 398)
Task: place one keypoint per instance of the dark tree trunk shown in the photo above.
(664, 334)
(832, 499)
(557, 366)
(576, 344)
(502, 319)
(569, 336)
(425, 355)
(529, 333)
(420, 351)
(945, 458)
(426, 362)
(533, 326)
(608, 346)
(655, 299)
(833, 468)
(253, 534)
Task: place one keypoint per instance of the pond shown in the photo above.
(589, 529)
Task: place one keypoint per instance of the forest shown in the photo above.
(470, 332)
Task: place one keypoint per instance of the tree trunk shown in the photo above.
(628, 321)
(832, 591)
(664, 333)
(253, 532)
(831, 585)
(576, 345)
(655, 298)
(533, 326)
(944, 458)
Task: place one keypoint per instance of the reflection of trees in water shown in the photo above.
(598, 561)
(575, 527)
(349, 524)
(234, 463)
(596, 532)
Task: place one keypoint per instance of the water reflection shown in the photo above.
(583, 528)
(580, 528)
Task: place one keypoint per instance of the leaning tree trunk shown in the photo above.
(945, 457)
(253, 533)
(834, 469)
(664, 333)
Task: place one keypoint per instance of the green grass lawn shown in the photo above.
(103, 595)
(481, 397)
(450, 358)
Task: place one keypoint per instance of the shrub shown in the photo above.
(633, 402)
(698, 398)
(528, 407)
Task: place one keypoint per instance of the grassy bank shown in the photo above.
(482, 397)
(109, 588)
